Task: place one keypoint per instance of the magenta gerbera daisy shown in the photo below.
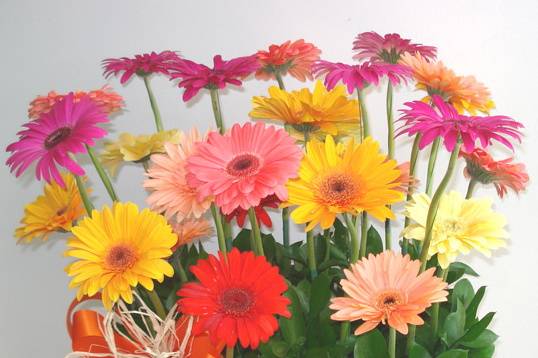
(443, 121)
(195, 76)
(243, 166)
(141, 65)
(361, 75)
(54, 136)
(374, 47)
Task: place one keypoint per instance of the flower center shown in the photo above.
(243, 165)
(57, 136)
(450, 228)
(338, 189)
(120, 258)
(388, 300)
(236, 301)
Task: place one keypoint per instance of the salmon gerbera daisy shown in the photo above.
(387, 288)
(243, 166)
(54, 136)
(295, 58)
(358, 179)
(117, 249)
(236, 299)
(192, 229)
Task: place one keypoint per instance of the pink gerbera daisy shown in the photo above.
(374, 47)
(170, 192)
(442, 120)
(361, 75)
(195, 76)
(271, 201)
(141, 65)
(52, 138)
(243, 166)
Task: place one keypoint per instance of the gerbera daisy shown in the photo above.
(321, 112)
(443, 121)
(295, 58)
(54, 211)
(105, 98)
(465, 93)
(374, 47)
(387, 288)
(502, 173)
(130, 148)
(52, 138)
(192, 229)
(117, 249)
(361, 75)
(360, 179)
(141, 65)
(460, 225)
(237, 298)
(244, 166)
(195, 76)
(271, 201)
(170, 192)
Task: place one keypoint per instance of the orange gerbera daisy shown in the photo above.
(190, 230)
(387, 288)
(465, 93)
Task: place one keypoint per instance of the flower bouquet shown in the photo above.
(351, 286)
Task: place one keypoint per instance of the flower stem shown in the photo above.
(84, 195)
(388, 233)
(412, 170)
(327, 237)
(431, 165)
(311, 254)
(344, 331)
(434, 205)
(364, 115)
(256, 230)
(102, 174)
(227, 227)
(229, 352)
(435, 308)
(352, 229)
(470, 188)
(390, 144)
(220, 231)
(364, 234)
(278, 77)
(215, 104)
(181, 271)
(154, 107)
(157, 303)
(392, 343)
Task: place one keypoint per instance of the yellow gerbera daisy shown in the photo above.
(460, 225)
(130, 148)
(321, 112)
(117, 249)
(358, 179)
(54, 211)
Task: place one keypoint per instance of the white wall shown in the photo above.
(58, 44)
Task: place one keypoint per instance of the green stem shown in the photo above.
(252, 241)
(84, 195)
(220, 231)
(102, 174)
(215, 104)
(154, 107)
(434, 205)
(286, 228)
(352, 229)
(364, 234)
(181, 271)
(431, 165)
(412, 171)
(157, 303)
(227, 233)
(364, 115)
(388, 233)
(256, 230)
(410, 337)
(278, 77)
(470, 188)
(435, 308)
(392, 343)
(390, 121)
(311, 254)
(344, 331)
(229, 352)
(327, 237)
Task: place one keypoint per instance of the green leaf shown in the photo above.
(320, 295)
(417, 351)
(464, 292)
(374, 244)
(293, 329)
(473, 306)
(454, 326)
(485, 352)
(303, 292)
(279, 348)
(485, 339)
(242, 240)
(371, 345)
(466, 268)
(477, 328)
(269, 249)
(203, 253)
(454, 353)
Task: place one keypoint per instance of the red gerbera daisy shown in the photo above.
(237, 298)
(270, 201)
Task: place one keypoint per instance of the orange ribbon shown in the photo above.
(85, 329)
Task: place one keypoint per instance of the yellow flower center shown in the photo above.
(338, 189)
(57, 136)
(120, 258)
(450, 228)
(244, 165)
(236, 301)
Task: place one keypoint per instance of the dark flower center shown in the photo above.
(236, 301)
(120, 258)
(338, 189)
(243, 165)
(57, 136)
(388, 300)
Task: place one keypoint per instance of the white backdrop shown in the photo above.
(58, 44)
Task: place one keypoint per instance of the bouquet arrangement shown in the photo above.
(352, 285)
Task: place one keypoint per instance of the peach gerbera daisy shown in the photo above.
(170, 192)
(465, 93)
(387, 288)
